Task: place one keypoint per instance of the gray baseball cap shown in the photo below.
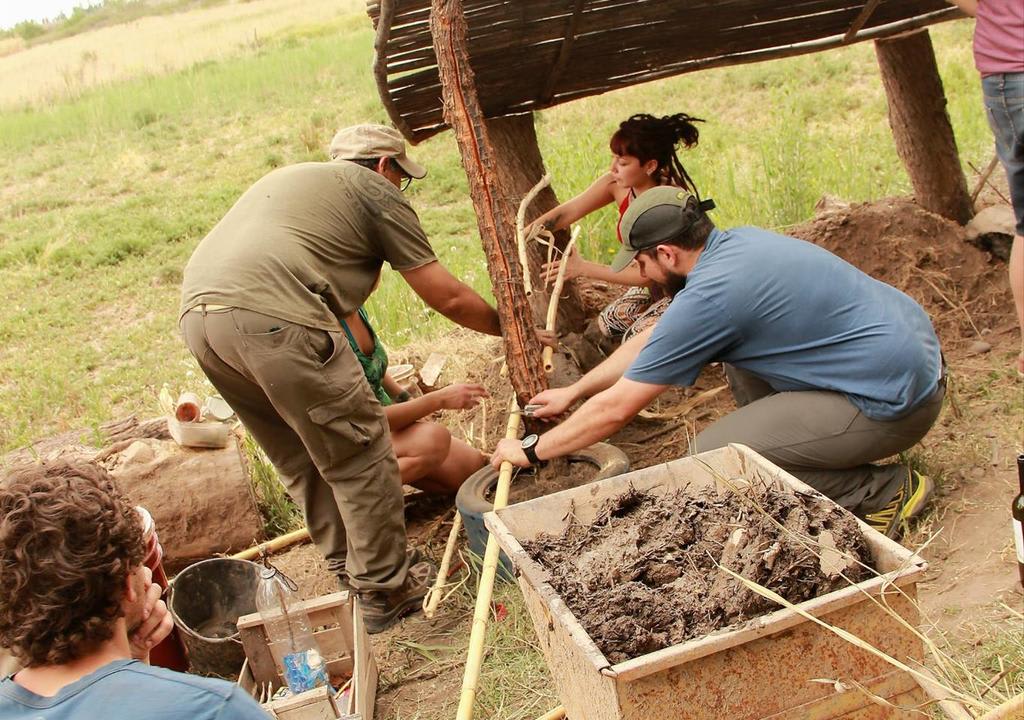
(366, 142)
(654, 217)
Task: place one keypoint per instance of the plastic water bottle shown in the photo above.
(288, 628)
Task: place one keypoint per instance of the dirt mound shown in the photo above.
(644, 575)
(922, 254)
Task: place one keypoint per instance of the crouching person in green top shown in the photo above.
(429, 458)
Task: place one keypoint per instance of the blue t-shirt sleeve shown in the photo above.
(694, 331)
(240, 706)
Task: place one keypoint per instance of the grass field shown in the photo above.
(106, 192)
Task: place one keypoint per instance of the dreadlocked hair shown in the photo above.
(647, 137)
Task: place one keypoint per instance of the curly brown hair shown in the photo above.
(68, 540)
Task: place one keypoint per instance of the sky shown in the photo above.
(14, 11)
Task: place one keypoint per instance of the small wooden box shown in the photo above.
(345, 646)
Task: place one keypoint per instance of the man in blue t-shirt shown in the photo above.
(831, 369)
(75, 601)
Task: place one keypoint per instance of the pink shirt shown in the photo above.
(999, 37)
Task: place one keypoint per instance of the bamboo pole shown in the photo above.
(433, 598)
(278, 543)
(557, 713)
(521, 230)
(475, 654)
(547, 355)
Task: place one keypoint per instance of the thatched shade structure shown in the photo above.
(482, 66)
(532, 54)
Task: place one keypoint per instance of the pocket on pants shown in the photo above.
(350, 423)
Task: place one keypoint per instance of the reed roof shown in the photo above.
(532, 54)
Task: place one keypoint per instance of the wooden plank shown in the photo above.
(331, 617)
(324, 603)
(719, 685)
(364, 694)
(316, 704)
(432, 369)
(261, 662)
(333, 644)
(342, 667)
(896, 687)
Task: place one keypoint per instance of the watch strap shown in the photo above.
(530, 451)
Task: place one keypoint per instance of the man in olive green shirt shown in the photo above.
(262, 299)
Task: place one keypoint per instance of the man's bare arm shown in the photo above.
(452, 298)
(596, 420)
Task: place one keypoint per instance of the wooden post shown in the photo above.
(493, 197)
(920, 124)
(518, 157)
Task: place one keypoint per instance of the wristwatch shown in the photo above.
(530, 448)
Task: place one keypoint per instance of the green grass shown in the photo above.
(281, 514)
(105, 195)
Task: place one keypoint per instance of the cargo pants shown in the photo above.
(302, 395)
(822, 438)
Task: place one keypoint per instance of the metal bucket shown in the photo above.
(207, 599)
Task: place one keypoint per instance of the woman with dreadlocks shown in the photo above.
(643, 157)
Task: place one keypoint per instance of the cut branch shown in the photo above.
(858, 23)
(556, 293)
(521, 230)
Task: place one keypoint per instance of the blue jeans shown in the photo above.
(1004, 106)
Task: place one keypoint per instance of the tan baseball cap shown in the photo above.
(365, 142)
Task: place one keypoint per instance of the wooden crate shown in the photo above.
(339, 631)
(769, 667)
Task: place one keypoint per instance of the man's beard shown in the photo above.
(673, 283)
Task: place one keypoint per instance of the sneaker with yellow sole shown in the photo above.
(909, 503)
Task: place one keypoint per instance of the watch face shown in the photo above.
(530, 440)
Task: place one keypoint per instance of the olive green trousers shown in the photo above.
(822, 438)
(302, 395)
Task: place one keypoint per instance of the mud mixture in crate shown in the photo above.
(643, 576)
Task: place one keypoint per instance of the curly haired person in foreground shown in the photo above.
(79, 611)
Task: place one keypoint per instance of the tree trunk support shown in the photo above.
(517, 154)
(920, 124)
(493, 197)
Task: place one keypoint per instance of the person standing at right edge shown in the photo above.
(999, 57)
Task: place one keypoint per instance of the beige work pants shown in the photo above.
(822, 438)
(302, 395)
